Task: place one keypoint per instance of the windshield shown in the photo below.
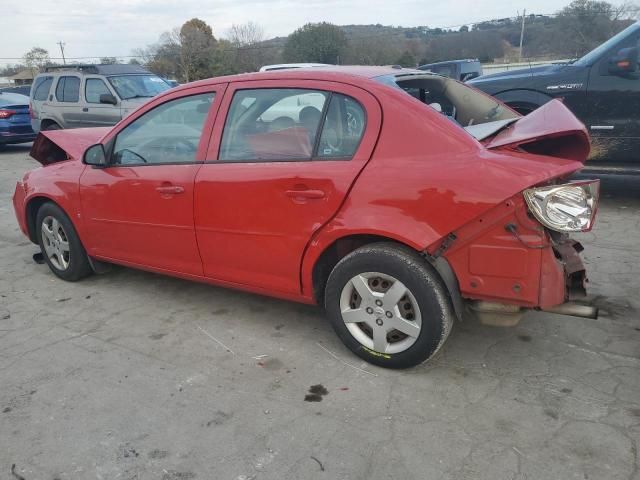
(595, 54)
(460, 103)
(138, 86)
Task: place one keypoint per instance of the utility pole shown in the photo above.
(64, 62)
(524, 14)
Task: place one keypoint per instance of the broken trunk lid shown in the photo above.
(550, 130)
(58, 145)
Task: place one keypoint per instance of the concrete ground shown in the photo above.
(131, 375)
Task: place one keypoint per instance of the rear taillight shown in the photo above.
(4, 114)
(32, 114)
(565, 208)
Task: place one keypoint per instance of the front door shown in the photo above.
(278, 169)
(98, 114)
(139, 209)
(613, 103)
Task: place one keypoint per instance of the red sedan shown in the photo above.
(396, 199)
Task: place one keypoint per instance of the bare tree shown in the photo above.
(36, 59)
(246, 34)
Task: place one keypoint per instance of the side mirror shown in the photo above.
(94, 155)
(108, 99)
(625, 61)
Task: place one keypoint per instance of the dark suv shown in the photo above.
(602, 89)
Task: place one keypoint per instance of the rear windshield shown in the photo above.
(460, 103)
(138, 86)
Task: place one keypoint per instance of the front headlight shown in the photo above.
(565, 208)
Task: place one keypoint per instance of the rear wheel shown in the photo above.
(388, 305)
(60, 244)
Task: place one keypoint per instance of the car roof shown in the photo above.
(349, 73)
(7, 98)
(99, 69)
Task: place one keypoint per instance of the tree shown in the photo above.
(406, 60)
(316, 42)
(36, 59)
(584, 24)
(196, 45)
(247, 55)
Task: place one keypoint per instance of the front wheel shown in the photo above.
(60, 244)
(388, 305)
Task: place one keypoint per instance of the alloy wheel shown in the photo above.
(380, 312)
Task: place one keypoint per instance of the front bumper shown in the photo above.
(19, 207)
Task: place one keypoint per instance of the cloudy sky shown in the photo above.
(115, 27)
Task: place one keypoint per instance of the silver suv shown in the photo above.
(76, 96)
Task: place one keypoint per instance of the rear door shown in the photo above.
(39, 98)
(66, 101)
(282, 158)
(98, 114)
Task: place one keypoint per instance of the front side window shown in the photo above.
(68, 89)
(272, 124)
(41, 90)
(94, 87)
(170, 133)
(138, 86)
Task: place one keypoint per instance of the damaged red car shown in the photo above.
(396, 199)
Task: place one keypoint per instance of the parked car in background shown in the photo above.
(602, 89)
(79, 96)
(462, 70)
(15, 123)
(21, 89)
(290, 184)
(288, 66)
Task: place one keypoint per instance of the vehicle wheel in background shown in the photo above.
(388, 305)
(52, 126)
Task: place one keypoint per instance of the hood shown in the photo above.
(551, 130)
(53, 146)
(519, 73)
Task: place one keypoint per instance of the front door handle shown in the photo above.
(170, 189)
(305, 194)
(85, 109)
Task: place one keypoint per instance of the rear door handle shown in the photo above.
(85, 109)
(310, 194)
(170, 189)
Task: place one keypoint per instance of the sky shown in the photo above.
(97, 28)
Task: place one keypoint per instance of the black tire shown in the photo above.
(422, 281)
(523, 108)
(52, 126)
(78, 262)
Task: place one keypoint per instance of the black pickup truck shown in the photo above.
(602, 89)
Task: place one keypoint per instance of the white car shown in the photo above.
(285, 66)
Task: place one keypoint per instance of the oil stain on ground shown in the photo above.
(316, 392)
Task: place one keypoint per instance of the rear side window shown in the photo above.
(68, 89)
(272, 124)
(94, 87)
(343, 128)
(42, 87)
